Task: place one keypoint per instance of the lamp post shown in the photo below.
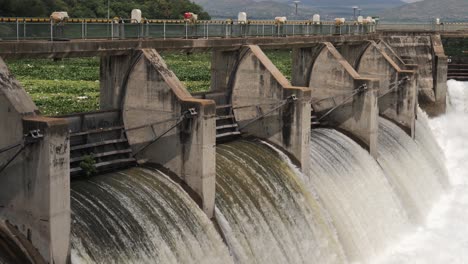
(108, 9)
(296, 3)
(355, 8)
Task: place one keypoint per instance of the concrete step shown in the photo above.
(97, 144)
(227, 126)
(94, 131)
(223, 117)
(223, 106)
(103, 154)
(227, 134)
(107, 165)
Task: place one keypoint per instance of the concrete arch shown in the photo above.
(153, 103)
(398, 86)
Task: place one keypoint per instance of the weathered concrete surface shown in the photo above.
(397, 96)
(154, 101)
(91, 48)
(258, 87)
(440, 67)
(352, 51)
(333, 82)
(425, 50)
(113, 71)
(35, 187)
(15, 247)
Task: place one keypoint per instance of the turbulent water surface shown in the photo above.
(413, 175)
(140, 216)
(347, 207)
(366, 212)
(265, 213)
(444, 236)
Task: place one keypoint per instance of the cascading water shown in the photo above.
(444, 238)
(140, 216)
(265, 214)
(355, 191)
(429, 146)
(411, 173)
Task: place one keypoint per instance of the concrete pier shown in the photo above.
(35, 186)
(336, 85)
(397, 91)
(425, 50)
(267, 106)
(160, 129)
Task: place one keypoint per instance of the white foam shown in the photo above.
(444, 237)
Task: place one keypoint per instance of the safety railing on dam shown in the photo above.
(42, 29)
(461, 26)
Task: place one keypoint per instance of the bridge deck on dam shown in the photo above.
(86, 48)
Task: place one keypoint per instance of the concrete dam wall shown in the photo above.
(278, 166)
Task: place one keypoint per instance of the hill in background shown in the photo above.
(428, 10)
(328, 9)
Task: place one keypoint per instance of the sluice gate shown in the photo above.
(148, 116)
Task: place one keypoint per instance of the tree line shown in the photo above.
(167, 9)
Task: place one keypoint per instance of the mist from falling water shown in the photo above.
(444, 236)
(140, 216)
(265, 213)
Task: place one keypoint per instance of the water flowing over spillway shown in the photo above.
(140, 216)
(444, 237)
(265, 213)
(412, 175)
(366, 212)
(348, 207)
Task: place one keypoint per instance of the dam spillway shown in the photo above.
(140, 216)
(268, 212)
(363, 179)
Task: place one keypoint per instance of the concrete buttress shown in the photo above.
(427, 52)
(35, 187)
(267, 106)
(161, 130)
(398, 87)
(337, 86)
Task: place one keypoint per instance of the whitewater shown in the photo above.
(444, 236)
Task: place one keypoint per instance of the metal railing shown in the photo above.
(423, 27)
(40, 29)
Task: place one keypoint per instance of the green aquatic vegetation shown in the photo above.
(72, 85)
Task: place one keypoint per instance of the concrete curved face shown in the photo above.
(398, 86)
(266, 105)
(335, 85)
(331, 71)
(154, 108)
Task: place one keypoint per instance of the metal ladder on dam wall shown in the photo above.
(98, 143)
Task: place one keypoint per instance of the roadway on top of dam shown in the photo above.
(100, 47)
